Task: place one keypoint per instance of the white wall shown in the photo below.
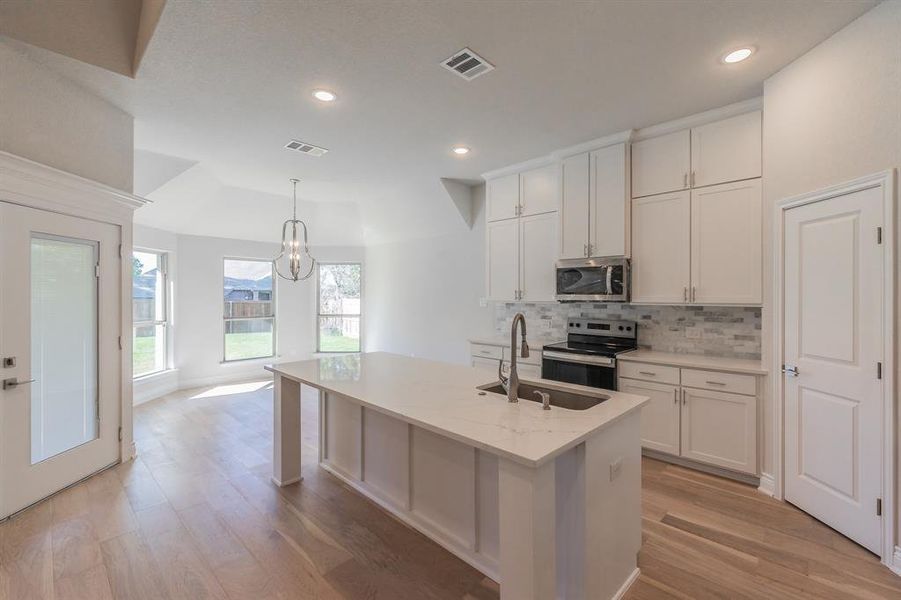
(832, 115)
(50, 120)
(198, 301)
(422, 295)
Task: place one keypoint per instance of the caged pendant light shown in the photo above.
(291, 249)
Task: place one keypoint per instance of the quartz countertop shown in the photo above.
(536, 343)
(695, 361)
(444, 399)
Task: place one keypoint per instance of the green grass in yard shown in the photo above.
(338, 343)
(240, 346)
(143, 354)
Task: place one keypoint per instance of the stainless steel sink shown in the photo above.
(559, 397)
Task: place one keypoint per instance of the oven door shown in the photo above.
(580, 369)
(593, 281)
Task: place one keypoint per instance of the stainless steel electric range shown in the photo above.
(588, 356)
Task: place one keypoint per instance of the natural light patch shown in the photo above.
(234, 388)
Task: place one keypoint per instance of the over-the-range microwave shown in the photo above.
(593, 280)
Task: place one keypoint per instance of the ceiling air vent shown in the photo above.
(305, 148)
(467, 64)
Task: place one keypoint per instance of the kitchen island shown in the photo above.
(546, 502)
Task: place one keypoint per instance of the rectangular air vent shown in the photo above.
(467, 64)
(305, 148)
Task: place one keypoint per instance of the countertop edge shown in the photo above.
(697, 361)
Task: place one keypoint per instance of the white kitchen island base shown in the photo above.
(567, 525)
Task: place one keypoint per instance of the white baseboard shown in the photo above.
(767, 484)
(244, 375)
(894, 562)
(154, 386)
(627, 584)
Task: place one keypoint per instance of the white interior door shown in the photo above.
(833, 335)
(59, 326)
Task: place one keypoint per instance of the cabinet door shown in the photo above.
(720, 428)
(503, 259)
(574, 207)
(609, 214)
(502, 197)
(538, 244)
(485, 364)
(661, 250)
(661, 164)
(660, 417)
(727, 244)
(539, 190)
(728, 150)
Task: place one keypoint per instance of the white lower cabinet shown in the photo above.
(659, 418)
(720, 428)
(705, 425)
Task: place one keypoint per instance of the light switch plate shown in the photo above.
(483, 302)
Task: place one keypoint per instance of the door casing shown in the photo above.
(887, 181)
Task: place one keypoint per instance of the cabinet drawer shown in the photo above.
(724, 382)
(658, 373)
(486, 351)
(486, 364)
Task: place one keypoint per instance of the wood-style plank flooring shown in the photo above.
(195, 517)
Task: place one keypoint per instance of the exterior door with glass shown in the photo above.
(59, 342)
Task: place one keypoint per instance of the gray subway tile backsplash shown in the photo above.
(733, 332)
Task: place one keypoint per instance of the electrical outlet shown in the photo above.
(546, 324)
(616, 468)
(483, 302)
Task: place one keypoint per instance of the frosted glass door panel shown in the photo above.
(63, 345)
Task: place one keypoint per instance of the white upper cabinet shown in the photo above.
(595, 204)
(503, 259)
(538, 246)
(609, 214)
(727, 150)
(661, 164)
(661, 249)
(726, 244)
(502, 197)
(574, 206)
(539, 190)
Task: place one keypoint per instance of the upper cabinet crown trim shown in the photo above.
(703, 118)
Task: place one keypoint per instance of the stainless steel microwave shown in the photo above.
(593, 280)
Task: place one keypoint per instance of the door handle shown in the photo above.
(791, 370)
(12, 382)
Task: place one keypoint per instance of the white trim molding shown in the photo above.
(895, 565)
(767, 484)
(887, 180)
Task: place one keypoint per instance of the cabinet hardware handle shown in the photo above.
(651, 373)
(684, 399)
(685, 294)
(715, 382)
(589, 249)
(694, 293)
(676, 396)
(684, 180)
(584, 249)
(692, 179)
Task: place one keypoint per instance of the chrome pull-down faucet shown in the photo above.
(511, 383)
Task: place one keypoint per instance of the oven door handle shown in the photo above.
(601, 361)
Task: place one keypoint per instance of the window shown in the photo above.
(149, 312)
(249, 310)
(339, 307)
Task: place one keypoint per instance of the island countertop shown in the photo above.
(444, 399)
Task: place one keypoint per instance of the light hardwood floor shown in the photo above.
(195, 516)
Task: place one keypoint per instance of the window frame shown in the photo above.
(224, 320)
(320, 314)
(163, 262)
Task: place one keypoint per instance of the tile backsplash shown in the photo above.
(727, 331)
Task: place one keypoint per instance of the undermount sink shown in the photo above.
(559, 397)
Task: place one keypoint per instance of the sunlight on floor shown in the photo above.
(234, 388)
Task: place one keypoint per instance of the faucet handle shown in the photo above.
(545, 399)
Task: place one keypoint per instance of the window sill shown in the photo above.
(249, 361)
(150, 377)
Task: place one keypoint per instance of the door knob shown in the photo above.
(13, 382)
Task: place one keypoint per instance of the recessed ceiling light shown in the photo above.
(738, 55)
(324, 95)
(461, 150)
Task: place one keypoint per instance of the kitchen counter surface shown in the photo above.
(696, 361)
(443, 398)
(536, 343)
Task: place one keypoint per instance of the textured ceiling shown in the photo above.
(226, 84)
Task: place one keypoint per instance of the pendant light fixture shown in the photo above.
(292, 251)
